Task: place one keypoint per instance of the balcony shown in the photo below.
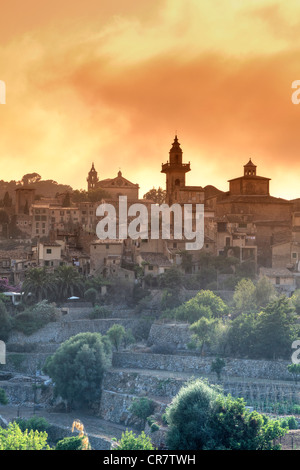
(175, 166)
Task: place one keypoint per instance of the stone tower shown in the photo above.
(92, 178)
(250, 169)
(175, 172)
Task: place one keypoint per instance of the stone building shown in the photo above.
(260, 214)
(114, 187)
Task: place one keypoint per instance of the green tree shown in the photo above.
(204, 304)
(67, 200)
(3, 397)
(202, 418)
(241, 335)
(295, 301)
(156, 195)
(264, 292)
(116, 334)
(142, 408)
(234, 428)
(12, 438)
(276, 329)
(202, 332)
(77, 367)
(188, 417)
(217, 366)
(91, 295)
(294, 369)
(129, 441)
(6, 322)
(244, 296)
(68, 282)
(35, 317)
(171, 279)
(39, 284)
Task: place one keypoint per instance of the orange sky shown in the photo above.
(112, 81)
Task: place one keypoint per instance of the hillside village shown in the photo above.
(245, 222)
(59, 280)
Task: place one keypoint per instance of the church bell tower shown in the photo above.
(175, 172)
(92, 178)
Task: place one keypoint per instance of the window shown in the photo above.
(48, 251)
(294, 255)
(277, 280)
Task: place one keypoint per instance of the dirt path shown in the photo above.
(92, 424)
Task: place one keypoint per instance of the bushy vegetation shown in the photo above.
(6, 322)
(142, 408)
(77, 367)
(70, 443)
(201, 417)
(12, 438)
(3, 397)
(35, 423)
(35, 317)
(100, 311)
(204, 304)
(129, 441)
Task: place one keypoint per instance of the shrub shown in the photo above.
(91, 295)
(100, 311)
(163, 348)
(34, 318)
(6, 322)
(129, 441)
(69, 443)
(294, 369)
(12, 438)
(289, 422)
(154, 427)
(142, 408)
(116, 334)
(217, 366)
(35, 423)
(3, 397)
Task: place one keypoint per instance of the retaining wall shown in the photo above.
(259, 369)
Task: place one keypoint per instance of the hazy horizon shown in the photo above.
(113, 83)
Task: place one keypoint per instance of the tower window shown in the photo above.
(177, 182)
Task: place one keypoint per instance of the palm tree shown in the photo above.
(68, 281)
(39, 283)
